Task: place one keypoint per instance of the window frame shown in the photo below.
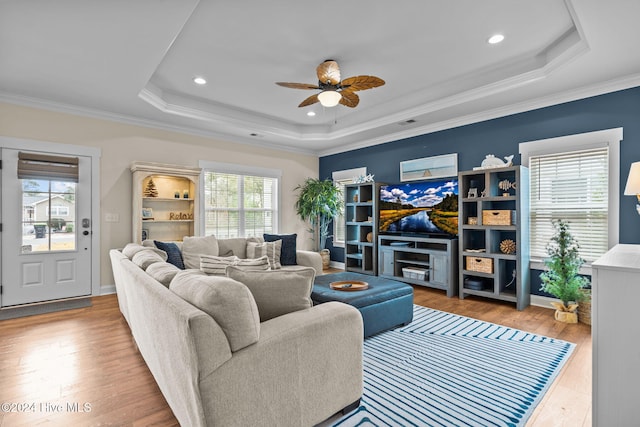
(609, 138)
(344, 177)
(245, 170)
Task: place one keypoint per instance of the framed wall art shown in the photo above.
(429, 167)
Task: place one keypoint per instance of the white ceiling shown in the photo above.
(135, 60)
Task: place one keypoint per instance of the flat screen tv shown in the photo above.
(424, 207)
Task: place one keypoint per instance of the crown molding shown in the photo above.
(610, 86)
(93, 113)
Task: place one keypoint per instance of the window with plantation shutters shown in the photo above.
(239, 204)
(574, 187)
(574, 178)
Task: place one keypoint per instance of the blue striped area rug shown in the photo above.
(448, 370)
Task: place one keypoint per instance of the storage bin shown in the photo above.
(498, 217)
(414, 273)
(483, 265)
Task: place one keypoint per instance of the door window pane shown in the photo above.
(48, 216)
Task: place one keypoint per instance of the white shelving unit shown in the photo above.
(173, 212)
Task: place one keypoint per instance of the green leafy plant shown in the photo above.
(319, 202)
(562, 279)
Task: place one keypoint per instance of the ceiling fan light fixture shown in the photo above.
(329, 98)
(495, 39)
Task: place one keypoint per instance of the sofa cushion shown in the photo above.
(288, 252)
(277, 292)
(229, 302)
(269, 249)
(216, 265)
(133, 248)
(236, 246)
(193, 247)
(146, 257)
(163, 272)
(174, 255)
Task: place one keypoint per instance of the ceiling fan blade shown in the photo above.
(298, 85)
(349, 98)
(310, 100)
(328, 72)
(362, 82)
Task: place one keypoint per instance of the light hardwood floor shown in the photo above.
(51, 362)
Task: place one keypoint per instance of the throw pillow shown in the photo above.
(270, 249)
(277, 292)
(133, 248)
(193, 247)
(229, 303)
(288, 252)
(217, 265)
(146, 257)
(174, 256)
(163, 272)
(254, 264)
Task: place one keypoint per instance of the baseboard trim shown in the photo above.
(107, 289)
(44, 307)
(542, 301)
(336, 264)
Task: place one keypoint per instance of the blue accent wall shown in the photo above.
(501, 137)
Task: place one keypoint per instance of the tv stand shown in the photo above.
(423, 261)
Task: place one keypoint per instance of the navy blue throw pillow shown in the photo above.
(288, 251)
(174, 256)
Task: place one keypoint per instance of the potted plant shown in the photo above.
(319, 202)
(562, 278)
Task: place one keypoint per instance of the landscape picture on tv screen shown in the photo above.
(429, 207)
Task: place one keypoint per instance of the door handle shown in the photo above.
(85, 233)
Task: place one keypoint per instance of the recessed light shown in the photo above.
(311, 113)
(496, 38)
(199, 81)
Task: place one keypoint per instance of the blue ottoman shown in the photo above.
(384, 305)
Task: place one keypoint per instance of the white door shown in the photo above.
(46, 234)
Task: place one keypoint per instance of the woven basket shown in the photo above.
(584, 309)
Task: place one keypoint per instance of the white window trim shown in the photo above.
(343, 175)
(584, 141)
(238, 169)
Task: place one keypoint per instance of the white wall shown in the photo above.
(122, 144)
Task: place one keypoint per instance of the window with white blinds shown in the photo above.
(342, 178)
(238, 205)
(572, 186)
(339, 222)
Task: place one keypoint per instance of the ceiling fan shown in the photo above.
(334, 90)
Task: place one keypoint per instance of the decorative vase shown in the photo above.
(326, 258)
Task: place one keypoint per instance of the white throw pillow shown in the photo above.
(277, 292)
(194, 247)
(270, 249)
(217, 265)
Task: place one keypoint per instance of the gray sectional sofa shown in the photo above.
(227, 353)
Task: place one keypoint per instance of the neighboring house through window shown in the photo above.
(574, 178)
(342, 178)
(239, 201)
